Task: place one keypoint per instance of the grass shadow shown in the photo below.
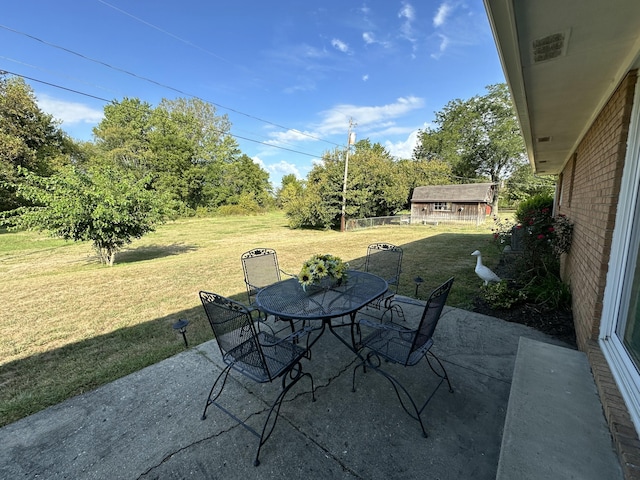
(151, 252)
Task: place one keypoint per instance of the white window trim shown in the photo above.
(614, 305)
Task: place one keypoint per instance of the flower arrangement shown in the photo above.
(320, 267)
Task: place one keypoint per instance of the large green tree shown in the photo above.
(186, 148)
(122, 137)
(29, 138)
(105, 205)
(480, 138)
(374, 188)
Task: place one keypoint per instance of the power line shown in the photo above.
(113, 102)
(159, 84)
(149, 24)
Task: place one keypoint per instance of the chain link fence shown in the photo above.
(360, 223)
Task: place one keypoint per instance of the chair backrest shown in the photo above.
(234, 330)
(431, 314)
(385, 260)
(261, 269)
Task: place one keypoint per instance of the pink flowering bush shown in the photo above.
(542, 239)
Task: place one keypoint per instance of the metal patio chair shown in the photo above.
(260, 267)
(385, 260)
(256, 354)
(405, 346)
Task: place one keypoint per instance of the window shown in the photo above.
(442, 207)
(620, 322)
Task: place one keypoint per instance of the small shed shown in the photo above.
(452, 203)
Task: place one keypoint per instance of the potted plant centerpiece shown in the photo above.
(323, 271)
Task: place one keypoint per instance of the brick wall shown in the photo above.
(590, 185)
(591, 181)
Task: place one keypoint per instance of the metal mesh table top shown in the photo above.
(287, 299)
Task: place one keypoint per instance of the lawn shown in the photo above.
(70, 324)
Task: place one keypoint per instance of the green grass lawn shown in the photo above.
(70, 324)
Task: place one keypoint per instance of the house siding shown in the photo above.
(590, 185)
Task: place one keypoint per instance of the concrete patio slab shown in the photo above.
(147, 425)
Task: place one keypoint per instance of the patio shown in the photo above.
(147, 425)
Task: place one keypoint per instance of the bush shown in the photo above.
(537, 203)
(537, 270)
(548, 292)
(545, 237)
(502, 295)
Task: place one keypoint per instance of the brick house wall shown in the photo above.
(588, 196)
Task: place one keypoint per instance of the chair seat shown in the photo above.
(278, 354)
(406, 346)
(395, 345)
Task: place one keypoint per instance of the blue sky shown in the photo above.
(289, 74)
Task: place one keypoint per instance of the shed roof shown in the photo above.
(470, 192)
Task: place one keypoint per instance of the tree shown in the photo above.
(193, 147)
(374, 188)
(105, 205)
(123, 135)
(187, 149)
(242, 178)
(480, 137)
(523, 184)
(421, 172)
(29, 139)
(291, 189)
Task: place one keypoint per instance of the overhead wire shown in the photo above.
(159, 84)
(114, 102)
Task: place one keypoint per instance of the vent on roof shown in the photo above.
(549, 47)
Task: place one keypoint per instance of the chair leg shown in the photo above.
(444, 374)
(224, 375)
(413, 411)
(294, 375)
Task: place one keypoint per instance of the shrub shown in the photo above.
(546, 237)
(536, 203)
(549, 292)
(502, 295)
(537, 270)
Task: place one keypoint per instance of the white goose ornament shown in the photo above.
(483, 272)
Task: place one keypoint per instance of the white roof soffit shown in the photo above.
(562, 61)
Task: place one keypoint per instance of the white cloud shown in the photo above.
(370, 39)
(444, 43)
(284, 168)
(457, 25)
(257, 160)
(69, 112)
(404, 148)
(365, 77)
(340, 45)
(336, 120)
(407, 11)
(277, 170)
(289, 137)
(441, 15)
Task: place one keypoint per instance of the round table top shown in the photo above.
(287, 299)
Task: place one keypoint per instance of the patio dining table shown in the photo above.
(290, 301)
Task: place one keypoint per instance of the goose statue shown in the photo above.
(483, 272)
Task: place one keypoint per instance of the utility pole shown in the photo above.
(351, 140)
